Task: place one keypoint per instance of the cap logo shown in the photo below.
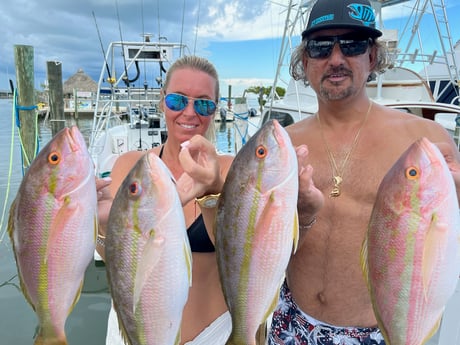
(363, 13)
(322, 19)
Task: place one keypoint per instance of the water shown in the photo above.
(88, 321)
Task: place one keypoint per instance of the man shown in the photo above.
(352, 142)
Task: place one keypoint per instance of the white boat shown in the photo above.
(127, 115)
(399, 87)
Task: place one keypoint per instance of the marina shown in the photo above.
(125, 116)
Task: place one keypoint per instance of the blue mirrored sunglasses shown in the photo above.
(321, 47)
(178, 102)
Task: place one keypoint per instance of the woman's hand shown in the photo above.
(104, 202)
(201, 176)
(311, 199)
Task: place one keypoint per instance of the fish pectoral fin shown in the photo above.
(435, 240)
(147, 264)
(67, 211)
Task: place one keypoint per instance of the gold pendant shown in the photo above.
(335, 192)
(337, 180)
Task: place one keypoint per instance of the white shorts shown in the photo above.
(216, 333)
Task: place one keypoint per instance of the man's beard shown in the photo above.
(332, 93)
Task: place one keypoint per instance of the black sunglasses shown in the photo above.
(178, 102)
(321, 47)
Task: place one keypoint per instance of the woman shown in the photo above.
(189, 97)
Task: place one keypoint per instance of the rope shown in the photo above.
(15, 120)
(243, 118)
(10, 170)
(24, 157)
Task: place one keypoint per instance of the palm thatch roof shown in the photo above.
(80, 81)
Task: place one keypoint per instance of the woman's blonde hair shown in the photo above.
(199, 64)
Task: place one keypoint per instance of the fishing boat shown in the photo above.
(399, 87)
(127, 115)
(433, 94)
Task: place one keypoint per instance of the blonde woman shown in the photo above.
(189, 102)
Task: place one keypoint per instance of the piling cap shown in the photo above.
(334, 14)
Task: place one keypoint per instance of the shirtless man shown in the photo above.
(352, 142)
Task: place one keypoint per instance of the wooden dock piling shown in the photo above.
(56, 96)
(24, 60)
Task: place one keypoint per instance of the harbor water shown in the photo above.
(88, 321)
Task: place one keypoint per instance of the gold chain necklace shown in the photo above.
(337, 174)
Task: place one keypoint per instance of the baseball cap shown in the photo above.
(331, 14)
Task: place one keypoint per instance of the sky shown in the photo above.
(242, 38)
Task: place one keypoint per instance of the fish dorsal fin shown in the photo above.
(188, 259)
(363, 259)
(295, 234)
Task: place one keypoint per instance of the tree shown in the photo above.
(264, 92)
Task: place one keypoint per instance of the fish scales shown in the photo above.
(52, 227)
(257, 228)
(411, 256)
(148, 255)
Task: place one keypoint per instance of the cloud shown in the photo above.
(68, 31)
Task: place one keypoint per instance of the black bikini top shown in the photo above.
(197, 234)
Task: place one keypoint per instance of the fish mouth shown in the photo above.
(431, 150)
(278, 133)
(75, 139)
(283, 141)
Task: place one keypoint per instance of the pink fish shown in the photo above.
(52, 227)
(257, 228)
(411, 257)
(148, 255)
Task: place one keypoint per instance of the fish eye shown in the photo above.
(261, 151)
(412, 173)
(54, 158)
(134, 188)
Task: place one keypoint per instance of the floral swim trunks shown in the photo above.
(291, 326)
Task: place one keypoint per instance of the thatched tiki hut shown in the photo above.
(80, 81)
(79, 88)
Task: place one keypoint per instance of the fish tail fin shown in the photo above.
(261, 335)
(233, 341)
(40, 340)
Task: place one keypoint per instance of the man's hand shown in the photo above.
(311, 199)
(451, 155)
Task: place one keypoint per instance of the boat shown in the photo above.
(434, 96)
(398, 87)
(126, 113)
